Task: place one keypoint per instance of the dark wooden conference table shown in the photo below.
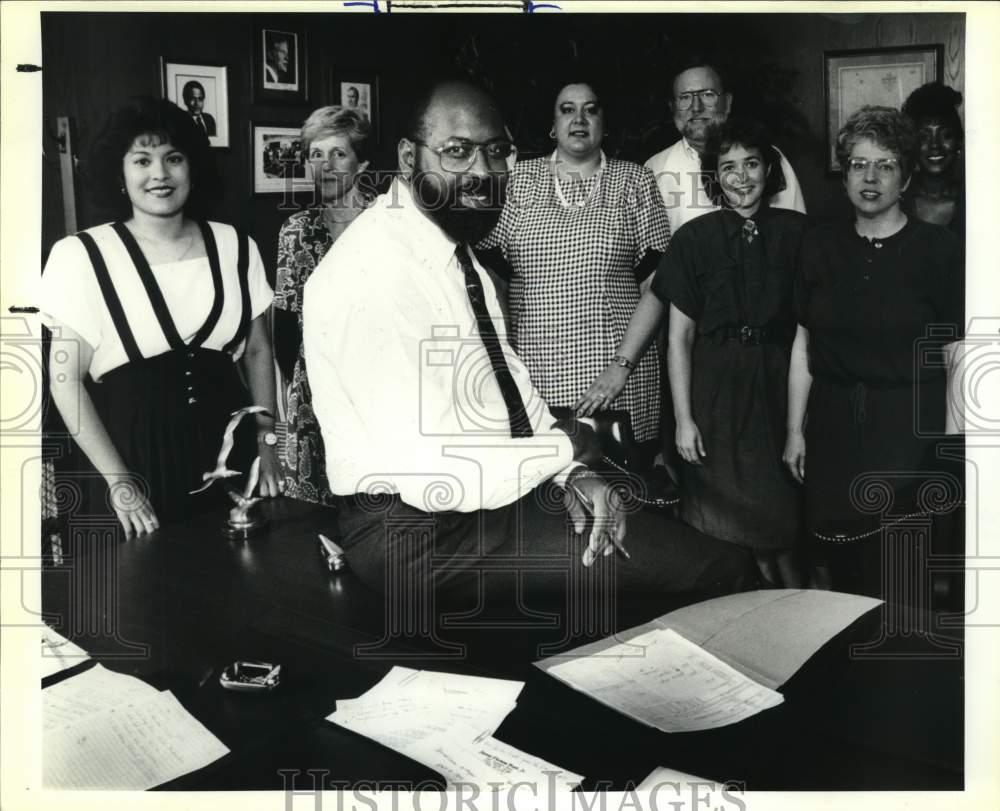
(176, 607)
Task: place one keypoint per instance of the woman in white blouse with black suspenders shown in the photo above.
(155, 308)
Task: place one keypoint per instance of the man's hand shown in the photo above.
(589, 495)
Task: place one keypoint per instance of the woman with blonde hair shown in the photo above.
(335, 141)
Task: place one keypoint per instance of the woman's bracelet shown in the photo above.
(624, 362)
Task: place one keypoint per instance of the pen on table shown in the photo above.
(332, 554)
(590, 506)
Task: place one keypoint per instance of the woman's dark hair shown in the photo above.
(885, 126)
(934, 100)
(167, 123)
(749, 134)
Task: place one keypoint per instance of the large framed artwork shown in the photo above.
(202, 91)
(879, 76)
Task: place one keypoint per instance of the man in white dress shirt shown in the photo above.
(699, 103)
(435, 436)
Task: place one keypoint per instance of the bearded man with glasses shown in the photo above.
(448, 461)
(699, 104)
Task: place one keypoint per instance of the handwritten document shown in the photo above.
(661, 679)
(58, 653)
(91, 692)
(110, 731)
(446, 721)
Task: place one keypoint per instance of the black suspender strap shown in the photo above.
(212, 250)
(152, 288)
(242, 267)
(111, 300)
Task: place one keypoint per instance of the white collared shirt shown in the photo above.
(402, 384)
(678, 177)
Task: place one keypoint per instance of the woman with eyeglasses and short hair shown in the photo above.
(579, 232)
(868, 379)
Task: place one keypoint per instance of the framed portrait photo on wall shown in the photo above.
(279, 161)
(279, 64)
(203, 92)
(874, 76)
(357, 90)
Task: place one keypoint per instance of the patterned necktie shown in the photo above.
(520, 425)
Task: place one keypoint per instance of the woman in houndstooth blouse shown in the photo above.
(579, 233)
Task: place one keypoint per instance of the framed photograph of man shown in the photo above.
(359, 91)
(874, 76)
(202, 91)
(279, 64)
(279, 161)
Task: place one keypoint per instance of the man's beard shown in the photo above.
(440, 196)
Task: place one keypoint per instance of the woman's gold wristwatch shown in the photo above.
(624, 362)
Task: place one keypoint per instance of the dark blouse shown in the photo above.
(713, 276)
(867, 303)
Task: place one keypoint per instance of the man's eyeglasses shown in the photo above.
(709, 98)
(883, 166)
(458, 154)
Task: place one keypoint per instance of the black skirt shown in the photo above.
(166, 417)
(870, 452)
(742, 491)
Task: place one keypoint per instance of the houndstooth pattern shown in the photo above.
(574, 290)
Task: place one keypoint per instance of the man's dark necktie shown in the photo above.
(520, 425)
(203, 125)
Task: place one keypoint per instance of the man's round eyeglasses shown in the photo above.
(458, 154)
(684, 100)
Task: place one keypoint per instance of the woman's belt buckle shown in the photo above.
(749, 336)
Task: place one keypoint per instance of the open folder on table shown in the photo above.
(712, 663)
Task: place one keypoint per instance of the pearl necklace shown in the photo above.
(559, 190)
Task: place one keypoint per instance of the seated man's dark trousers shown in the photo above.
(393, 547)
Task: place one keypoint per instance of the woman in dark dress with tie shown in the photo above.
(727, 279)
(155, 308)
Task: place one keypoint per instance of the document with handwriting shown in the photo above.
(661, 679)
(446, 721)
(93, 691)
(135, 744)
(491, 764)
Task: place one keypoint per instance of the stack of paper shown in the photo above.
(103, 730)
(446, 722)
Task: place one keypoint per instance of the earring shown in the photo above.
(552, 133)
(121, 189)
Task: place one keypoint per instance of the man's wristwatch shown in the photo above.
(624, 362)
(269, 438)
